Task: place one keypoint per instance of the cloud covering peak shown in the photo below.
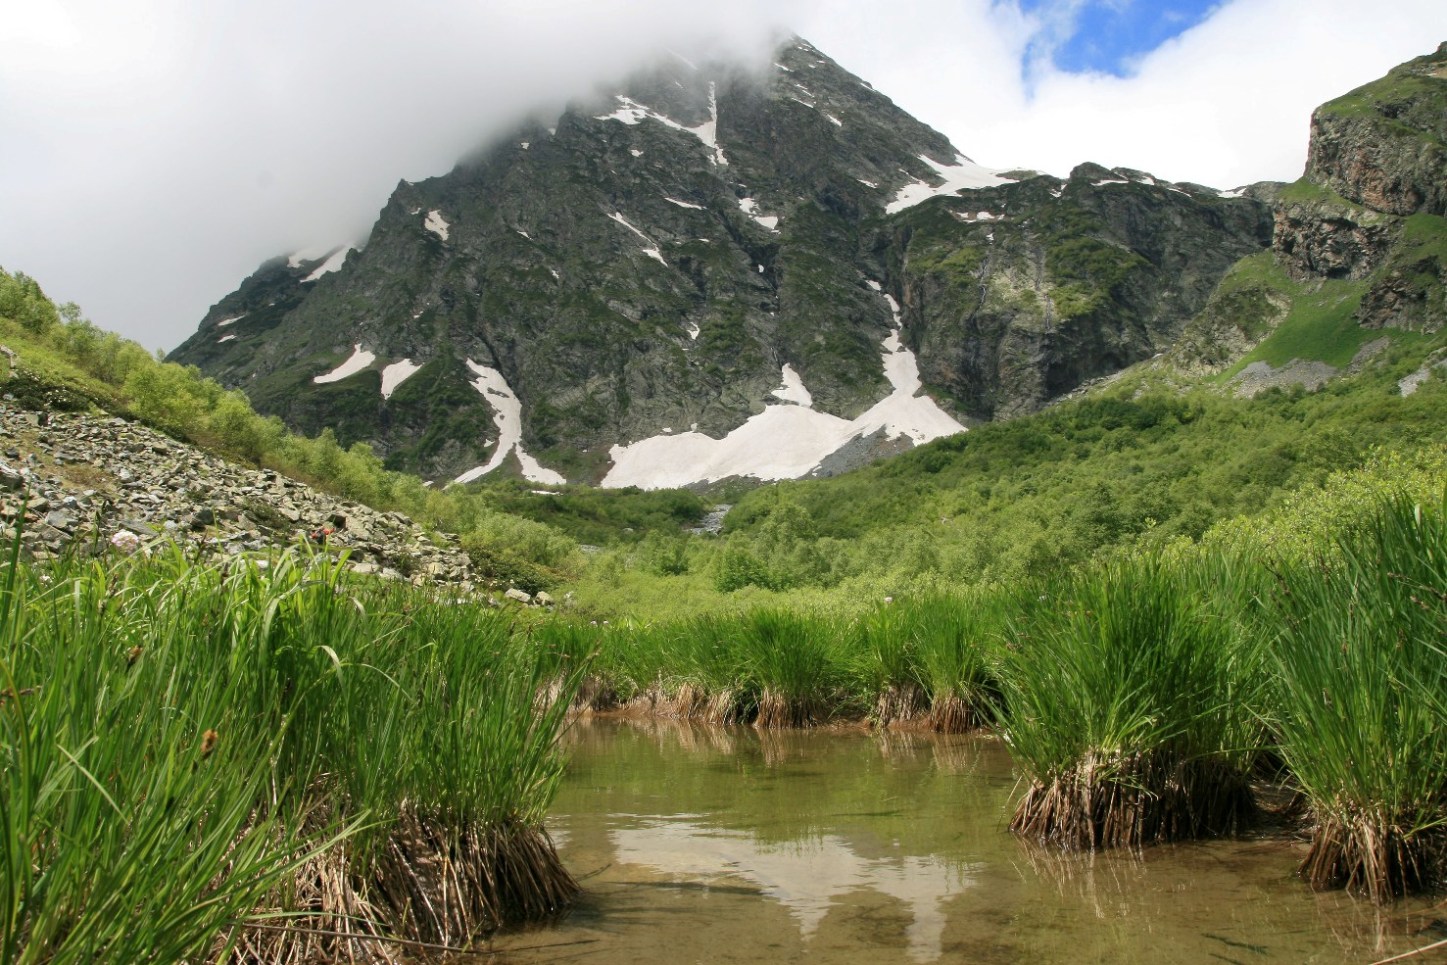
(156, 151)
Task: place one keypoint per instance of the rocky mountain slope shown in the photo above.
(92, 482)
(719, 270)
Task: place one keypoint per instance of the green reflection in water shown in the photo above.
(729, 845)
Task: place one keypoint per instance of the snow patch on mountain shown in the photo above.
(507, 415)
(359, 360)
(750, 207)
(436, 224)
(651, 248)
(964, 173)
(632, 113)
(786, 441)
(334, 262)
(793, 389)
(230, 321)
(683, 204)
(395, 374)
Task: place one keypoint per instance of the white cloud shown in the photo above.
(156, 151)
(1227, 102)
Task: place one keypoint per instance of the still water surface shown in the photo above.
(728, 845)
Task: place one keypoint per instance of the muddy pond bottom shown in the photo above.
(728, 845)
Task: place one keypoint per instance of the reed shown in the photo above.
(441, 728)
(1361, 673)
(884, 650)
(570, 645)
(138, 802)
(696, 670)
(1128, 711)
(794, 663)
(958, 637)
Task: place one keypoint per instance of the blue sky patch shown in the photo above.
(1108, 36)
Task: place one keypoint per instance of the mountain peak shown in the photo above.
(623, 294)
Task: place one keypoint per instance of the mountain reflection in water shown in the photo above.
(804, 876)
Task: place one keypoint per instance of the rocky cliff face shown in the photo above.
(1384, 145)
(1017, 294)
(1370, 207)
(1359, 245)
(718, 270)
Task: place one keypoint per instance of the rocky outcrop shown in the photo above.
(78, 482)
(1019, 294)
(1233, 322)
(1411, 295)
(1330, 238)
(1384, 145)
(1370, 207)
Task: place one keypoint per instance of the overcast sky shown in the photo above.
(154, 152)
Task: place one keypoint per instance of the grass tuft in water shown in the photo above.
(1362, 668)
(199, 761)
(794, 663)
(1128, 705)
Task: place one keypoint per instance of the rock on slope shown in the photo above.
(718, 270)
(72, 481)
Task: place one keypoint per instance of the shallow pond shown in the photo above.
(728, 845)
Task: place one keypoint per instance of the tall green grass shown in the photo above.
(959, 640)
(795, 664)
(929, 661)
(217, 762)
(141, 813)
(1129, 709)
(1361, 671)
(886, 662)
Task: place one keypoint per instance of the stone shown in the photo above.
(60, 519)
(518, 596)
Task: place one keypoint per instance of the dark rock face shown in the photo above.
(650, 261)
(1019, 294)
(1410, 296)
(1319, 240)
(1384, 145)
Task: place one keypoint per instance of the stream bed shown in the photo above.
(704, 844)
